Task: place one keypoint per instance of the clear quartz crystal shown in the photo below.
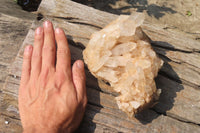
(122, 55)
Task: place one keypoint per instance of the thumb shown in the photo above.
(78, 75)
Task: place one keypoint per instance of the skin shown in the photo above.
(52, 95)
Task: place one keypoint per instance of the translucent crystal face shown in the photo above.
(122, 55)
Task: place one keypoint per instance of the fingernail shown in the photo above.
(28, 49)
(80, 64)
(58, 30)
(47, 23)
(38, 30)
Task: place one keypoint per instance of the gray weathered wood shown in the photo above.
(179, 78)
(81, 14)
(14, 25)
(12, 9)
(13, 31)
(107, 101)
(180, 69)
(176, 69)
(13, 126)
(109, 116)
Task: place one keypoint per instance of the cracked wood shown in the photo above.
(178, 101)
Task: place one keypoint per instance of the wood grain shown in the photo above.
(103, 111)
(14, 25)
(178, 108)
(84, 15)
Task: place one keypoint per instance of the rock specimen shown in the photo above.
(122, 55)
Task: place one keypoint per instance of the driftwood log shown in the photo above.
(178, 109)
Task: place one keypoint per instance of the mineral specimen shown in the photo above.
(122, 55)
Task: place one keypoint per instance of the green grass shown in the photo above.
(188, 13)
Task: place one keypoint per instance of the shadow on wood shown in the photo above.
(169, 91)
(140, 6)
(168, 94)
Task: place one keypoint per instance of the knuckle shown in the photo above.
(60, 78)
(36, 55)
(49, 48)
(64, 75)
(43, 80)
(26, 57)
(49, 31)
(38, 38)
(46, 71)
(62, 52)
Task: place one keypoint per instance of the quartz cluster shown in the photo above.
(121, 54)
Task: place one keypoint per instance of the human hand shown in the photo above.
(52, 98)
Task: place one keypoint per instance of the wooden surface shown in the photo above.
(14, 25)
(178, 109)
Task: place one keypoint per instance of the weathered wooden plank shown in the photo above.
(110, 116)
(3, 73)
(160, 124)
(180, 57)
(9, 125)
(161, 38)
(82, 14)
(177, 100)
(14, 25)
(11, 116)
(9, 105)
(107, 102)
(17, 12)
(180, 101)
(182, 72)
(178, 68)
(12, 33)
(75, 11)
(87, 126)
(171, 68)
(170, 39)
(10, 95)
